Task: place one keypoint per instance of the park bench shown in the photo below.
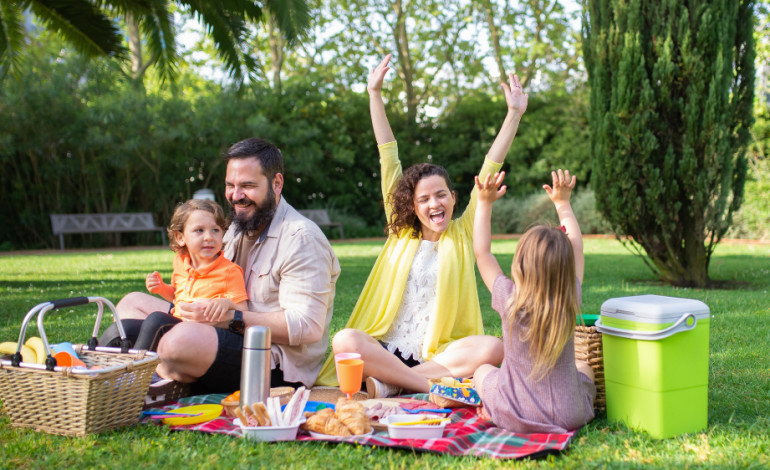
(104, 223)
(321, 218)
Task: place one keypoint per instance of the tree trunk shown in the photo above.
(138, 65)
(276, 52)
(405, 62)
(494, 35)
(134, 44)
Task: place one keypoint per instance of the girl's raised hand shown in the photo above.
(514, 95)
(377, 75)
(562, 186)
(491, 191)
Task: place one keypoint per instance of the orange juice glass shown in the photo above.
(350, 372)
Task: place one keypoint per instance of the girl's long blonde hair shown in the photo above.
(545, 303)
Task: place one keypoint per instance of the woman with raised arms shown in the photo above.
(418, 316)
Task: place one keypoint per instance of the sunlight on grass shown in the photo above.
(739, 390)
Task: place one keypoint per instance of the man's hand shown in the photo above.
(377, 76)
(562, 186)
(216, 309)
(515, 96)
(491, 191)
(153, 282)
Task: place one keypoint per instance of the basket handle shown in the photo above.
(41, 309)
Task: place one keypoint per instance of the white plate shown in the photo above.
(329, 437)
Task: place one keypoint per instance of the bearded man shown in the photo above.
(290, 273)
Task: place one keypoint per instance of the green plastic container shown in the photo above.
(656, 363)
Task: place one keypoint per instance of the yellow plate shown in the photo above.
(209, 412)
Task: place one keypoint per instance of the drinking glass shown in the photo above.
(350, 372)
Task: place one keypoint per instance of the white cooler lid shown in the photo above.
(653, 308)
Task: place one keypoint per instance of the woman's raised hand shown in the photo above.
(514, 95)
(377, 75)
(491, 191)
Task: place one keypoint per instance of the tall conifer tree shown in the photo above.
(672, 86)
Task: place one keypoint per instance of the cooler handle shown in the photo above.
(678, 327)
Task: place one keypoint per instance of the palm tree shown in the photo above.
(89, 26)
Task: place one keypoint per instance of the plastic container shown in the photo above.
(656, 359)
(427, 431)
(269, 433)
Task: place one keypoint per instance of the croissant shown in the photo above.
(324, 422)
(353, 415)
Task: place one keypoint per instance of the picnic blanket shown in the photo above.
(467, 435)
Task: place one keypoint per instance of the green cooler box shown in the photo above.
(656, 363)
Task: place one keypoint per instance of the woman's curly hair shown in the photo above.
(402, 199)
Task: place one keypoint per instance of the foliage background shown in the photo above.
(79, 135)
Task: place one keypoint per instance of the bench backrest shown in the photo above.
(319, 216)
(93, 223)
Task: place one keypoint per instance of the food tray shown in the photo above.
(415, 431)
(269, 433)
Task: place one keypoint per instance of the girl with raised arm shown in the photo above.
(540, 388)
(418, 316)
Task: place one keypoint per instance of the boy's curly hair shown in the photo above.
(182, 213)
(402, 199)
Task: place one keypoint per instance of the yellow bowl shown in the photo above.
(209, 412)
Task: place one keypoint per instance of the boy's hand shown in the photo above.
(562, 186)
(491, 191)
(515, 96)
(217, 309)
(377, 75)
(153, 281)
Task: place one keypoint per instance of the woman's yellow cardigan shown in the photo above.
(457, 303)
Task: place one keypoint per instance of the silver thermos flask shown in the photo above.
(255, 369)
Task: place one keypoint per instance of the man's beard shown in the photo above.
(263, 213)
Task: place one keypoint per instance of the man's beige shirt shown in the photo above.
(292, 268)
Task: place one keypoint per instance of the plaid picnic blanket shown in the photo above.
(467, 435)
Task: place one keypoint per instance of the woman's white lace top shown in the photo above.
(407, 332)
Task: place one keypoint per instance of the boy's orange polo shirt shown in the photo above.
(220, 279)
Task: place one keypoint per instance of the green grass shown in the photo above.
(739, 391)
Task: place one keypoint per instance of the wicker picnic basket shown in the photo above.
(588, 348)
(77, 402)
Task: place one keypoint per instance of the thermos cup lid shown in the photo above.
(256, 337)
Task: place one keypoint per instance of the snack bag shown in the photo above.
(449, 392)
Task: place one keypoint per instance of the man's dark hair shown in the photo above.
(268, 155)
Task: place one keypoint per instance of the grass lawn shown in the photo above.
(738, 433)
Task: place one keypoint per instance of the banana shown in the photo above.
(27, 354)
(36, 344)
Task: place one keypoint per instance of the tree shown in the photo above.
(434, 55)
(672, 87)
(88, 26)
(533, 36)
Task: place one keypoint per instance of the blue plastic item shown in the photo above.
(313, 406)
(430, 410)
(64, 347)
